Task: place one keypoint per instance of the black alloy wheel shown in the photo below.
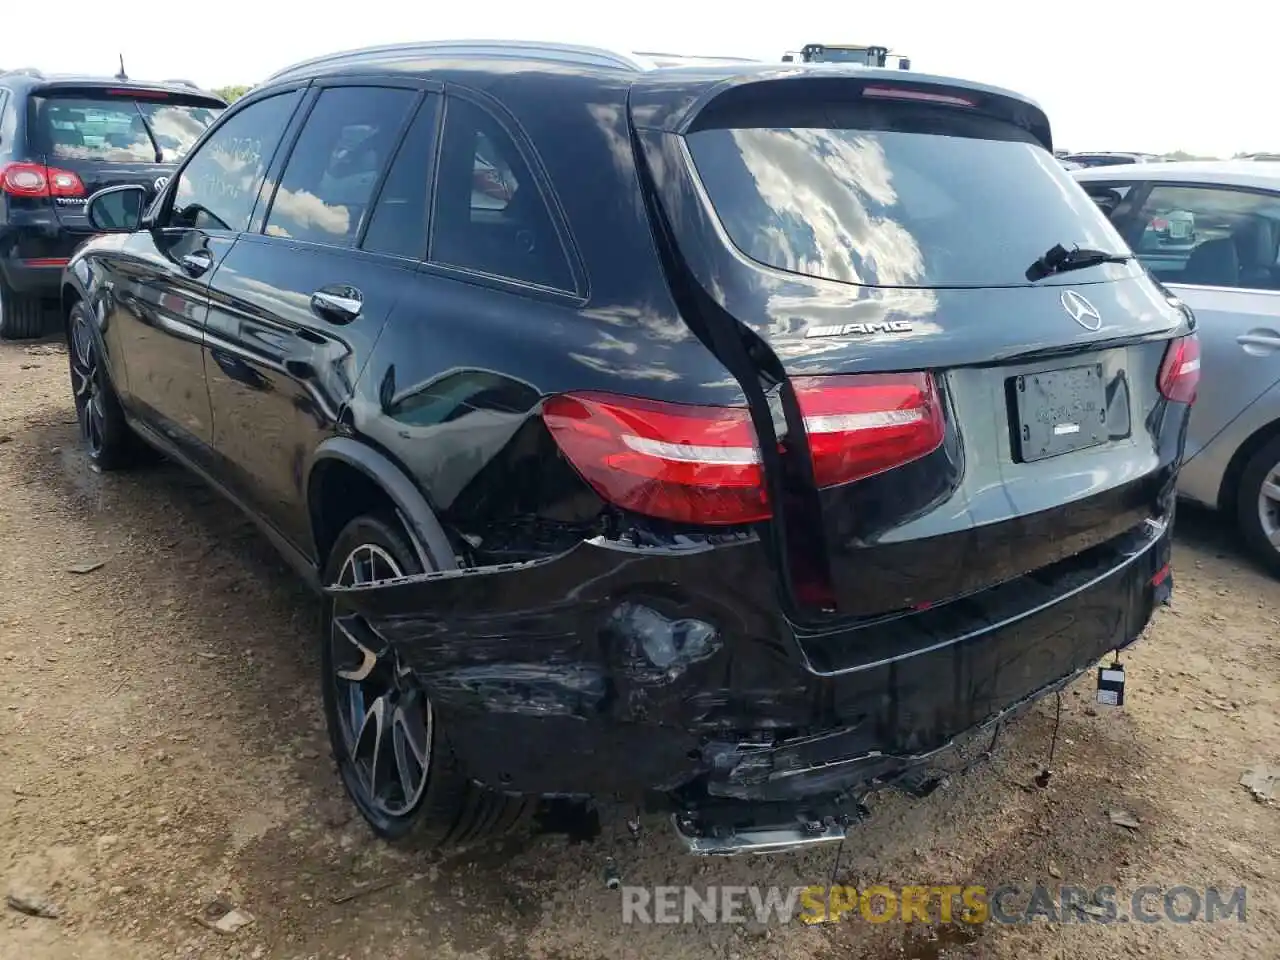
(87, 383)
(396, 764)
(384, 718)
(103, 429)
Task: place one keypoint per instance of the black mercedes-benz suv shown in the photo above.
(736, 437)
(61, 139)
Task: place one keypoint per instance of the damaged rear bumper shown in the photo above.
(610, 669)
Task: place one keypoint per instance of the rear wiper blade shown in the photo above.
(151, 134)
(1058, 259)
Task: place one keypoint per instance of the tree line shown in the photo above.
(233, 93)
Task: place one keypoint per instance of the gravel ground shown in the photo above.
(162, 747)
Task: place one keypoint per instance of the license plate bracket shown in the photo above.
(1060, 411)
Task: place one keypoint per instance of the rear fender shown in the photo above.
(427, 533)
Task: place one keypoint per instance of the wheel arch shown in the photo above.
(70, 294)
(1229, 489)
(346, 453)
(78, 286)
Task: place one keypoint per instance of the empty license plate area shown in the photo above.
(1059, 411)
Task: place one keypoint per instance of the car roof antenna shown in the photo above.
(122, 75)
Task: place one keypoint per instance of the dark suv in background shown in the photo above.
(733, 436)
(61, 139)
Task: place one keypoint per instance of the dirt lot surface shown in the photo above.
(161, 746)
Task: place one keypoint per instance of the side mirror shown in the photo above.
(904, 63)
(787, 58)
(117, 209)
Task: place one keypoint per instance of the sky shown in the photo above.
(1118, 75)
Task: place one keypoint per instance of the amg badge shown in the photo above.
(860, 329)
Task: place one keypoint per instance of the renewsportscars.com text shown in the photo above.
(1008, 904)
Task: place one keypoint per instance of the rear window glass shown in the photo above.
(120, 129)
(971, 202)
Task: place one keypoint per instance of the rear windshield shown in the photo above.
(120, 129)
(899, 198)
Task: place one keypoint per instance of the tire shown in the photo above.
(1257, 514)
(105, 434)
(21, 317)
(449, 810)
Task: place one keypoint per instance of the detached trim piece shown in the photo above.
(761, 840)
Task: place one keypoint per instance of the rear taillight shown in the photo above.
(1180, 371)
(865, 424)
(691, 464)
(140, 94)
(37, 180)
(697, 464)
(64, 183)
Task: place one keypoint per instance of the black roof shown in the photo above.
(670, 91)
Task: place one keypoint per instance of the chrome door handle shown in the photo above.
(1260, 339)
(197, 262)
(342, 304)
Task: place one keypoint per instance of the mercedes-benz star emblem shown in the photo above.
(1082, 311)
(160, 182)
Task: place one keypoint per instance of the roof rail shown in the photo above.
(561, 52)
(692, 58)
(183, 83)
(25, 71)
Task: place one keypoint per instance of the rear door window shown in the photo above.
(490, 217)
(399, 223)
(1209, 236)
(894, 197)
(348, 139)
(121, 128)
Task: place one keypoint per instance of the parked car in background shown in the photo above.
(1108, 159)
(619, 478)
(61, 139)
(1222, 261)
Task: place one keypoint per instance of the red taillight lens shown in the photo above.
(37, 180)
(1180, 371)
(24, 180)
(865, 424)
(686, 463)
(139, 94)
(64, 183)
(696, 464)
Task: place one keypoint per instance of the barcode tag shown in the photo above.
(1111, 685)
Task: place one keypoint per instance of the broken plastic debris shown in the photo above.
(1261, 780)
(1123, 818)
(224, 918)
(32, 904)
(232, 920)
(87, 567)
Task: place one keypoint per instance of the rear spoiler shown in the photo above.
(654, 104)
(191, 95)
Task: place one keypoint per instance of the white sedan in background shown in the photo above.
(1211, 233)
